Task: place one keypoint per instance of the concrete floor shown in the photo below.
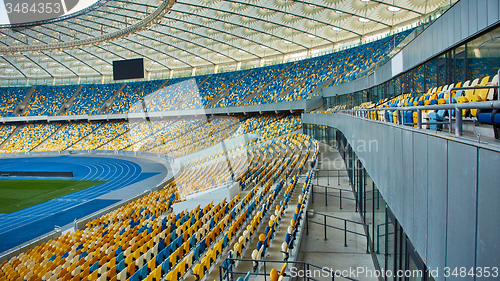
(332, 253)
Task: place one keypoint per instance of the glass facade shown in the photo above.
(391, 249)
(475, 59)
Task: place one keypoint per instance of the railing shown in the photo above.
(456, 107)
(329, 175)
(326, 194)
(30, 244)
(345, 230)
(226, 273)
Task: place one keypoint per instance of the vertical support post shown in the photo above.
(378, 239)
(326, 197)
(458, 122)
(324, 220)
(265, 271)
(367, 244)
(398, 112)
(345, 233)
(312, 193)
(338, 177)
(419, 119)
(307, 270)
(328, 177)
(307, 223)
(340, 197)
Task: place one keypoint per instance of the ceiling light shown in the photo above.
(197, 58)
(312, 6)
(339, 12)
(175, 61)
(364, 20)
(287, 42)
(264, 47)
(334, 28)
(311, 36)
(393, 9)
(365, 0)
(219, 55)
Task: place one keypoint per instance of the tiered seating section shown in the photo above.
(28, 137)
(282, 82)
(91, 98)
(144, 240)
(172, 137)
(47, 100)
(130, 98)
(10, 98)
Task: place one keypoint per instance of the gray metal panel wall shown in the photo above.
(437, 204)
(493, 12)
(436, 185)
(487, 206)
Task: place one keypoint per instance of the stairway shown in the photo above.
(109, 102)
(67, 105)
(112, 139)
(224, 93)
(90, 133)
(300, 81)
(53, 134)
(259, 90)
(11, 135)
(162, 85)
(22, 106)
(204, 80)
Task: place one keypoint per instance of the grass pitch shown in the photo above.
(19, 194)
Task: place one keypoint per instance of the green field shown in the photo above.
(19, 194)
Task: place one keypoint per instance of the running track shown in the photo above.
(24, 225)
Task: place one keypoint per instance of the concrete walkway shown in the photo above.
(332, 253)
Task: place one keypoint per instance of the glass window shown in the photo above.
(459, 65)
(483, 55)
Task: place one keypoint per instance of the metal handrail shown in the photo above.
(225, 273)
(457, 107)
(338, 228)
(468, 105)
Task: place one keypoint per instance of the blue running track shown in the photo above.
(24, 225)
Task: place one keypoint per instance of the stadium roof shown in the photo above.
(202, 34)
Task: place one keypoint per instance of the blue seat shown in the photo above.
(165, 266)
(436, 117)
(490, 117)
(143, 272)
(134, 277)
(247, 276)
(119, 267)
(95, 266)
